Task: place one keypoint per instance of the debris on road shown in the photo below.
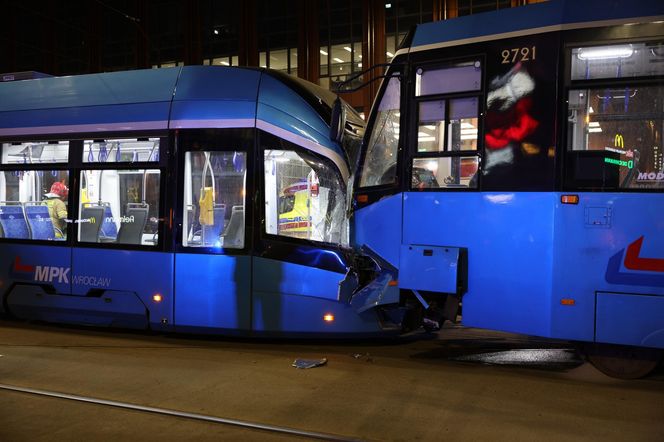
(309, 363)
(365, 356)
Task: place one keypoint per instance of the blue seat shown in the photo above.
(39, 221)
(109, 230)
(211, 233)
(12, 221)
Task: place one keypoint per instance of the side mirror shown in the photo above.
(338, 121)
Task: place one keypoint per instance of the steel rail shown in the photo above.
(182, 414)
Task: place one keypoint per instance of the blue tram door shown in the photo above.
(212, 262)
(121, 275)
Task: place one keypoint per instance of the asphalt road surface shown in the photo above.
(460, 384)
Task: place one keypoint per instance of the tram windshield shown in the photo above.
(304, 198)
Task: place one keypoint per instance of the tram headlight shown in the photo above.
(328, 317)
(157, 297)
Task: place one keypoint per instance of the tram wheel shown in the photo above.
(621, 361)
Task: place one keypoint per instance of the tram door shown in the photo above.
(213, 264)
(117, 262)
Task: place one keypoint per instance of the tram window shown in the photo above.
(119, 206)
(304, 198)
(35, 152)
(34, 204)
(381, 156)
(460, 77)
(214, 199)
(614, 137)
(618, 61)
(444, 172)
(126, 150)
(461, 125)
(431, 130)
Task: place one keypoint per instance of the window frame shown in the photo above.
(209, 141)
(75, 166)
(262, 233)
(45, 167)
(79, 166)
(386, 188)
(416, 100)
(570, 157)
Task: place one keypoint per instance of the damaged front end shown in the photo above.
(424, 292)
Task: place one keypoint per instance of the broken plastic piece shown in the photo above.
(309, 363)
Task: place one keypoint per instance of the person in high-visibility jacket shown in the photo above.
(57, 209)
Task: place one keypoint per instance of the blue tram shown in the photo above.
(154, 199)
(514, 165)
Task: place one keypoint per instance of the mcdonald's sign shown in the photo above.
(619, 141)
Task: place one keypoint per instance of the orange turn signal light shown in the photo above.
(393, 283)
(569, 199)
(567, 301)
(157, 298)
(328, 317)
(362, 198)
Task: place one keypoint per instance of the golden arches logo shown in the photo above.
(619, 141)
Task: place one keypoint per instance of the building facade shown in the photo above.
(323, 41)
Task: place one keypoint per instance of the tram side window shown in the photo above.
(379, 165)
(119, 206)
(614, 133)
(447, 144)
(214, 199)
(459, 77)
(40, 152)
(304, 197)
(125, 150)
(617, 61)
(34, 204)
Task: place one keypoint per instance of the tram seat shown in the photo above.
(89, 231)
(39, 221)
(234, 233)
(12, 220)
(109, 230)
(133, 224)
(210, 233)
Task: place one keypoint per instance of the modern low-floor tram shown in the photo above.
(161, 199)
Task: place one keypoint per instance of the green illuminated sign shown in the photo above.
(629, 164)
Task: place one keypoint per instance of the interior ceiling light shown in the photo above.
(338, 60)
(347, 48)
(605, 52)
(389, 54)
(323, 52)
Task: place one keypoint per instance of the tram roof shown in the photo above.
(171, 98)
(534, 19)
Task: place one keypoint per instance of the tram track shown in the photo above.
(183, 414)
